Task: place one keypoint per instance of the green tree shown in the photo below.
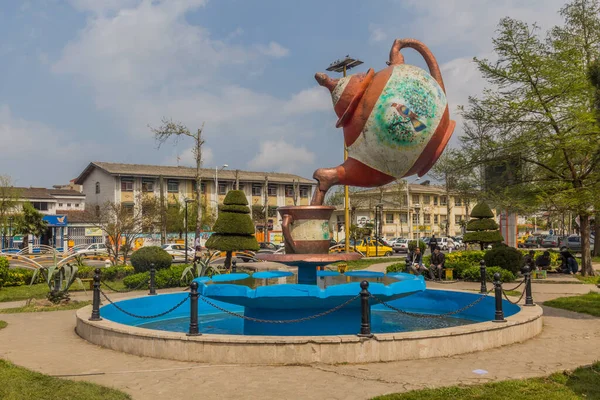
(234, 230)
(594, 76)
(9, 199)
(538, 112)
(482, 228)
(30, 222)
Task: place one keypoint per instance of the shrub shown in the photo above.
(459, 268)
(113, 273)
(482, 228)
(3, 271)
(396, 267)
(554, 256)
(143, 259)
(507, 258)
(164, 278)
(474, 274)
(472, 256)
(412, 245)
(21, 276)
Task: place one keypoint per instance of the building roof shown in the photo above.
(65, 192)
(187, 172)
(74, 217)
(412, 188)
(34, 193)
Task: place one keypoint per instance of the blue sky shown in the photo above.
(81, 80)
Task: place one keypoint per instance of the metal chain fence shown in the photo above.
(419, 315)
(146, 316)
(516, 287)
(522, 294)
(280, 321)
(126, 290)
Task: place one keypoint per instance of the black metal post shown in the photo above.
(96, 297)
(152, 280)
(194, 331)
(10, 220)
(483, 277)
(186, 233)
(407, 261)
(234, 266)
(365, 324)
(57, 280)
(499, 316)
(528, 297)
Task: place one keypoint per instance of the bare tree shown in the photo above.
(122, 224)
(9, 200)
(170, 129)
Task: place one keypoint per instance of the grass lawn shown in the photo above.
(14, 293)
(20, 383)
(589, 279)
(596, 259)
(3, 324)
(578, 384)
(585, 303)
(72, 305)
(365, 262)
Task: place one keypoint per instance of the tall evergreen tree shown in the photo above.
(482, 228)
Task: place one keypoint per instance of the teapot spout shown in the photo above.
(326, 81)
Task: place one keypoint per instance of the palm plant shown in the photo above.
(59, 279)
(200, 267)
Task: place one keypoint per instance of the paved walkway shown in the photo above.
(46, 342)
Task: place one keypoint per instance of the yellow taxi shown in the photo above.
(521, 240)
(369, 249)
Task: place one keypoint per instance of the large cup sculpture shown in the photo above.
(396, 122)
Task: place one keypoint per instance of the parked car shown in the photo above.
(521, 240)
(445, 243)
(267, 246)
(400, 245)
(177, 251)
(533, 242)
(93, 249)
(369, 249)
(574, 243)
(550, 241)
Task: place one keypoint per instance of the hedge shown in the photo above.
(507, 258)
(3, 271)
(232, 243)
(482, 225)
(164, 278)
(235, 197)
(143, 259)
(474, 274)
(234, 208)
(412, 245)
(482, 210)
(108, 273)
(483, 237)
(233, 223)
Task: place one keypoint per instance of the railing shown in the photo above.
(364, 330)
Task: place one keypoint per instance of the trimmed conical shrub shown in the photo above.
(482, 228)
(234, 230)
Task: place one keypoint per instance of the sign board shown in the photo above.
(93, 232)
(276, 237)
(55, 220)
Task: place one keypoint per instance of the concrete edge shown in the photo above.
(238, 349)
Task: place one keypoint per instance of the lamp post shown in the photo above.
(343, 66)
(10, 220)
(217, 185)
(378, 216)
(186, 228)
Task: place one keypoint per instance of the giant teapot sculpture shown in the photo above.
(396, 122)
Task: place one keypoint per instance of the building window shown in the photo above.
(272, 212)
(68, 205)
(97, 211)
(272, 190)
(458, 201)
(389, 218)
(241, 186)
(435, 200)
(76, 205)
(147, 185)
(427, 218)
(415, 199)
(60, 204)
(202, 187)
(457, 219)
(40, 206)
(304, 190)
(436, 219)
(415, 218)
(222, 188)
(128, 208)
(403, 218)
(256, 190)
(427, 199)
(443, 201)
(97, 187)
(126, 184)
(172, 186)
(289, 191)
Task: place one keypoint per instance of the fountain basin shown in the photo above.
(120, 332)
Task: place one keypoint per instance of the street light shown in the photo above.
(343, 66)
(10, 220)
(217, 185)
(378, 216)
(186, 228)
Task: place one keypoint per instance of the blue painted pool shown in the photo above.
(344, 321)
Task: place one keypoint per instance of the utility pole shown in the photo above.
(163, 214)
(266, 229)
(343, 66)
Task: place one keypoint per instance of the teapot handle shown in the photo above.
(396, 58)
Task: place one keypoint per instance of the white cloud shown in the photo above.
(273, 49)
(281, 156)
(39, 149)
(186, 157)
(309, 100)
(377, 33)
